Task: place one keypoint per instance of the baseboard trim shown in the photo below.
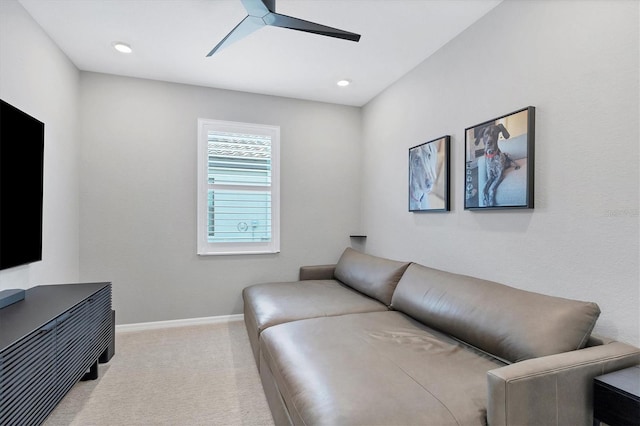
(124, 328)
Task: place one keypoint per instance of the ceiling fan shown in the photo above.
(263, 12)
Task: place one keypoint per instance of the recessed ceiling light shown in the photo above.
(122, 47)
(343, 83)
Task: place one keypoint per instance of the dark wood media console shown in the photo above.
(48, 341)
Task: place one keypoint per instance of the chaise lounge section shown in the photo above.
(375, 341)
(321, 293)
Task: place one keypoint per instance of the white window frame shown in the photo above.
(204, 247)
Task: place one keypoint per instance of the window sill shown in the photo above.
(235, 253)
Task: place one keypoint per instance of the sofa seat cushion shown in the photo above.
(378, 368)
(504, 321)
(269, 304)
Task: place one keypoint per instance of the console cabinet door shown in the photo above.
(99, 322)
(71, 347)
(27, 374)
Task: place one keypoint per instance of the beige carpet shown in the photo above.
(193, 375)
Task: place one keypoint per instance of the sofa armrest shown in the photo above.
(555, 389)
(317, 272)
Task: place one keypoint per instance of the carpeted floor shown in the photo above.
(193, 375)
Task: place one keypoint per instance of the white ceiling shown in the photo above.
(171, 39)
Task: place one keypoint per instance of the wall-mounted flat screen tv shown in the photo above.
(21, 177)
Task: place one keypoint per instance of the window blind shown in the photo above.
(239, 187)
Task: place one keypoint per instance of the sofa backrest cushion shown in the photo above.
(504, 321)
(376, 277)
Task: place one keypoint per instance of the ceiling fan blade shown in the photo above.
(243, 29)
(284, 21)
(259, 8)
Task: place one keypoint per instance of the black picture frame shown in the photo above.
(429, 176)
(499, 162)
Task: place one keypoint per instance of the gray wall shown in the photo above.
(577, 62)
(138, 193)
(36, 77)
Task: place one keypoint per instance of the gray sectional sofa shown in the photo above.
(372, 341)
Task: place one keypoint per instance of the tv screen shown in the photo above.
(21, 174)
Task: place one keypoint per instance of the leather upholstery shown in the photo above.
(561, 384)
(317, 272)
(379, 368)
(330, 355)
(376, 277)
(504, 321)
(270, 304)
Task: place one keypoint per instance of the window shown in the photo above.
(238, 188)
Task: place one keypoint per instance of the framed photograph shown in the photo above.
(499, 162)
(429, 176)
